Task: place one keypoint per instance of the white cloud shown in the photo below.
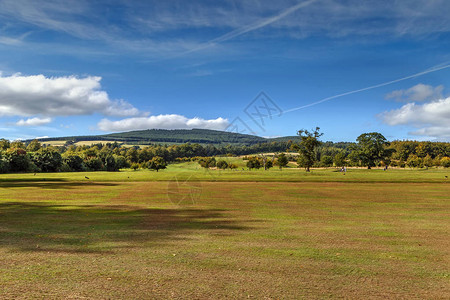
(34, 122)
(419, 92)
(431, 118)
(162, 122)
(58, 96)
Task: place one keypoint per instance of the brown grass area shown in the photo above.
(238, 240)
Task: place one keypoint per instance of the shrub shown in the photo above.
(445, 162)
(414, 161)
(221, 164)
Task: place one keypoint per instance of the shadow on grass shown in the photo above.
(101, 229)
(54, 183)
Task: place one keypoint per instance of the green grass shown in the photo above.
(276, 234)
(193, 171)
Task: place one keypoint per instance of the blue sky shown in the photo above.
(92, 67)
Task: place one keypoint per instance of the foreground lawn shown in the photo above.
(111, 239)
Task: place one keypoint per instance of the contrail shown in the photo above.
(240, 31)
(434, 69)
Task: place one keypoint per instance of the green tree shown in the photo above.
(445, 162)
(339, 159)
(17, 145)
(4, 144)
(47, 159)
(34, 146)
(307, 147)
(326, 161)
(4, 164)
(428, 161)
(371, 149)
(282, 160)
(157, 163)
(94, 164)
(121, 162)
(75, 162)
(110, 163)
(221, 164)
(414, 161)
(253, 163)
(207, 162)
(18, 160)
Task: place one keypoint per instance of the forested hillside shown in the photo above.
(177, 136)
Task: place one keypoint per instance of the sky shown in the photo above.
(260, 67)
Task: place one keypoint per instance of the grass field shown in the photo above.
(241, 234)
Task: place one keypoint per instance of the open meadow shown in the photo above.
(190, 233)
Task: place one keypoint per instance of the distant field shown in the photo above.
(233, 234)
(54, 143)
(88, 143)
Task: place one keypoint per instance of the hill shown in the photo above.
(176, 136)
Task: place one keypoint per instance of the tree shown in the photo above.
(34, 146)
(428, 161)
(307, 147)
(94, 164)
(4, 144)
(4, 164)
(18, 160)
(282, 160)
(157, 163)
(221, 164)
(414, 161)
(339, 159)
(110, 163)
(371, 148)
(253, 163)
(18, 145)
(207, 162)
(75, 162)
(445, 162)
(47, 160)
(326, 161)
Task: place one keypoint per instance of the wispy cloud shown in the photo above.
(420, 92)
(430, 70)
(252, 27)
(163, 29)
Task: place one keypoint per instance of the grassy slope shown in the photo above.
(120, 237)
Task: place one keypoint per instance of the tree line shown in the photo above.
(369, 150)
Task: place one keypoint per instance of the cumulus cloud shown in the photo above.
(417, 93)
(431, 118)
(34, 122)
(58, 96)
(162, 122)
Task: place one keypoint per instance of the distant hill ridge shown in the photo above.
(201, 136)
